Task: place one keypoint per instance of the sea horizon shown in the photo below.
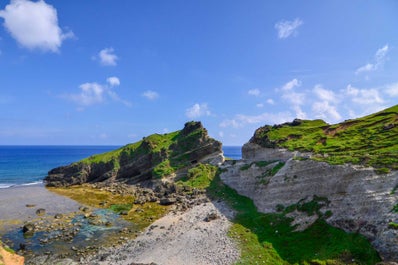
(24, 165)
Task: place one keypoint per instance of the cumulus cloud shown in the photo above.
(113, 81)
(392, 90)
(240, 120)
(287, 28)
(254, 92)
(364, 96)
(379, 59)
(151, 95)
(325, 94)
(325, 111)
(94, 93)
(270, 101)
(296, 99)
(108, 57)
(198, 110)
(34, 25)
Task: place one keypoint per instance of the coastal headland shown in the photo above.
(172, 199)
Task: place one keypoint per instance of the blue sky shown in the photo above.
(110, 72)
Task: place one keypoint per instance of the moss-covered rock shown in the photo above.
(153, 157)
(370, 141)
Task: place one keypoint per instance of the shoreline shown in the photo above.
(18, 204)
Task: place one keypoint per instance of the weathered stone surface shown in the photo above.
(40, 212)
(360, 200)
(192, 145)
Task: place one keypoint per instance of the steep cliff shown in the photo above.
(346, 172)
(153, 157)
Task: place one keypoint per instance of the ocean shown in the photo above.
(28, 165)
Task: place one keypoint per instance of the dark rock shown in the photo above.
(58, 216)
(211, 216)
(28, 228)
(30, 205)
(40, 212)
(167, 201)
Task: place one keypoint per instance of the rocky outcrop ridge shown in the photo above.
(154, 157)
(360, 200)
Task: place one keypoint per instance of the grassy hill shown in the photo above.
(371, 140)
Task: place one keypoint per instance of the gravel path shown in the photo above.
(196, 237)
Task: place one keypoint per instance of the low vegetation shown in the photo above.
(369, 141)
(270, 238)
(141, 215)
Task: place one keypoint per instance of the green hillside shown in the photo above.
(371, 140)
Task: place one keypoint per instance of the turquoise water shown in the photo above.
(26, 165)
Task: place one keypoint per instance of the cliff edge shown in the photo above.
(154, 157)
(345, 174)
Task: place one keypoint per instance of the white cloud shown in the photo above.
(91, 93)
(34, 25)
(392, 90)
(151, 95)
(113, 81)
(94, 93)
(240, 120)
(221, 134)
(325, 94)
(364, 96)
(379, 60)
(291, 84)
(325, 111)
(254, 92)
(270, 101)
(287, 28)
(260, 105)
(198, 110)
(108, 57)
(294, 98)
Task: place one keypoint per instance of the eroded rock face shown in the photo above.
(137, 164)
(360, 200)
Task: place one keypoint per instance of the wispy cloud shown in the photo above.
(296, 99)
(198, 110)
(364, 96)
(287, 28)
(325, 104)
(94, 93)
(392, 90)
(34, 25)
(151, 95)
(378, 61)
(107, 57)
(254, 92)
(240, 120)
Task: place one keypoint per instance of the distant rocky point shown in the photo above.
(154, 157)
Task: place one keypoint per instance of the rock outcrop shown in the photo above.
(360, 198)
(154, 157)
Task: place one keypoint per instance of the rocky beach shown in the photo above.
(173, 199)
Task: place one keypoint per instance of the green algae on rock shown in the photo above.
(154, 157)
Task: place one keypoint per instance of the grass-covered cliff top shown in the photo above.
(166, 152)
(371, 140)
